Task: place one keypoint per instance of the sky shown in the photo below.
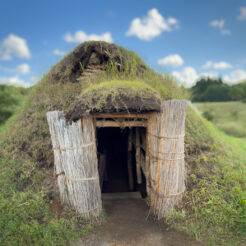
(187, 39)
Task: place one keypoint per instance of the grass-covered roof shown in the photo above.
(115, 96)
(213, 206)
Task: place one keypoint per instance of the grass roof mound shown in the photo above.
(98, 54)
(115, 96)
(213, 207)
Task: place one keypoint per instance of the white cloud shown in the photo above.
(171, 61)
(81, 36)
(16, 81)
(187, 77)
(59, 52)
(151, 25)
(220, 24)
(217, 65)
(23, 68)
(242, 15)
(14, 45)
(235, 76)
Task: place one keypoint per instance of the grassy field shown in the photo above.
(229, 117)
(214, 206)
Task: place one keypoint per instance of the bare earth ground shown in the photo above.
(126, 225)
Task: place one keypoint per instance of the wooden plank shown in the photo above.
(129, 161)
(53, 118)
(101, 168)
(123, 124)
(121, 115)
(138, 157)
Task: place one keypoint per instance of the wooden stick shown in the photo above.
(101, 168)
(123, 124)
(129, 161)
(123, 115)
(138, 161)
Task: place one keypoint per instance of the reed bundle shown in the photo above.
(76, 163)
(166, 157)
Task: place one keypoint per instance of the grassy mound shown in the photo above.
(115, 96)
(214, 205)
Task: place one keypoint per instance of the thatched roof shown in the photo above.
(115, 96)
(98, 55)
(104, 95)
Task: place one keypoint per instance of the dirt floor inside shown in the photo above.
(126, 225)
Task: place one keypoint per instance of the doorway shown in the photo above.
(116, 163)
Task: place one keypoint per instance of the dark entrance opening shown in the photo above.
(113, 154)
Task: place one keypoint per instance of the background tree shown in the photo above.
(10, 99)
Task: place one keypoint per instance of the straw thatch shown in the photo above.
(92, 57)
(166, 157)
(76, 163)
(111, 97)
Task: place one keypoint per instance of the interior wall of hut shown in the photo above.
(121, 159)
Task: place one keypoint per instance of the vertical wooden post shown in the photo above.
(138, 158)
(129, 161)
(77, 159)
(166, 149)
(101, 168)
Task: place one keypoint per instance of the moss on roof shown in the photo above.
(26, 146)
(96, 53)
(116, 96)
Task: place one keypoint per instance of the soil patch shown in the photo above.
(126, 225)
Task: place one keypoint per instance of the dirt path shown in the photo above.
(126, 225)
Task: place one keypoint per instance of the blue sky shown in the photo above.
(185, 38)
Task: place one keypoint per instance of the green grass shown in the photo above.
(134, 86)
(11, 100)
(229, 117)
(97, 96)
(26, 217)
(213, 209)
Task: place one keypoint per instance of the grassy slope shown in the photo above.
(11, 101)
(229, 117)
(214, 206)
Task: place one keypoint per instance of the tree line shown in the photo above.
(11, 98)
(215, 90)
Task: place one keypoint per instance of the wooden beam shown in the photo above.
(138, 157)
(121, 115)
(129, 161)
(123, 124)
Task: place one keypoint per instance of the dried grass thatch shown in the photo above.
(166, 157)
(94, 56)
(115, 96)
(76, 163)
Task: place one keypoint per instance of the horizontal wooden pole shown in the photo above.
(121, 115)
(121, 124)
